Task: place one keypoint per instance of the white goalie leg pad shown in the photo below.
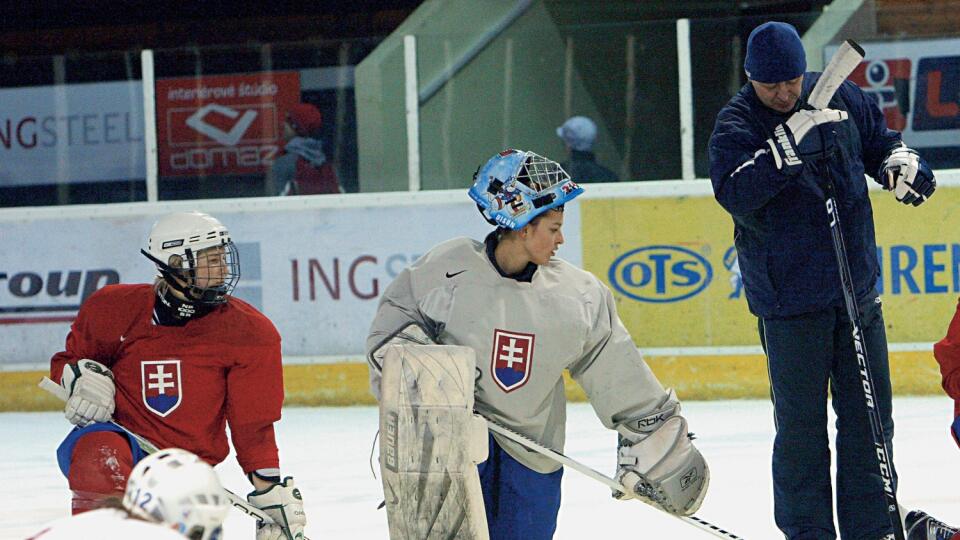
(431, 442)
(666, 468)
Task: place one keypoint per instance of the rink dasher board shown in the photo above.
(324, 374)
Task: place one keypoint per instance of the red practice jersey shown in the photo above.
(947, 352)
(178, 386)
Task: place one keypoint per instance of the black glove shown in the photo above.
(796, 139)
(909, 177)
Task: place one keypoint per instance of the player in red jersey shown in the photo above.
(175, 362)
(947, 353)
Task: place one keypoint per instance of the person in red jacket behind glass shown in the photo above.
(302, 168)
(175, 362)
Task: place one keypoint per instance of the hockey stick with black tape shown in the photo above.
(150, 448)
(602, 478)
(881, 449)
(848, 57)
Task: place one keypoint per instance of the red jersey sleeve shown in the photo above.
(90, 335)
(947, 353)
(254, 399)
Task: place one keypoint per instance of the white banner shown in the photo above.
(316, 272)
(71, 133)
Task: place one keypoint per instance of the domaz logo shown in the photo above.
(660, 274)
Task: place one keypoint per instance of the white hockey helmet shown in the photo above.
(176, 488)
(178, 244)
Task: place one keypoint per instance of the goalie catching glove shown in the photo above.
(283, 503)
(658, 462)
(908, 176)
(90, 390)
(792, 141)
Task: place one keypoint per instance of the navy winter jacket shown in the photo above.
(781, 228)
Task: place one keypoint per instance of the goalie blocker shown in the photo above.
(431, 442)
(658, 461)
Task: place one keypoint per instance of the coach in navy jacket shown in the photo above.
(772, 158)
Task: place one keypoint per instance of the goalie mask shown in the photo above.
(195, 255)
(175, 487)
(515, 186)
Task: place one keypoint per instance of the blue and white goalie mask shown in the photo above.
(515, 186)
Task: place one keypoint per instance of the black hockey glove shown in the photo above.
(909, 177)
(796, 139)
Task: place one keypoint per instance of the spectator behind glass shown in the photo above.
(579, 133)
(301, 167)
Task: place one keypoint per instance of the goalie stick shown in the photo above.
(848, 57)
(150, 448)
(602, 478)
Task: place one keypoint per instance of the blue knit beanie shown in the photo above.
(774, 53)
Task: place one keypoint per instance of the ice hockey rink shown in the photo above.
(328, 452)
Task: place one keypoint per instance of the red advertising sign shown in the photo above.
(224, 124)
(917, 85)
(888, 81)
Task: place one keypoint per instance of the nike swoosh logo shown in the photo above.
(449, 275)
(123, 338)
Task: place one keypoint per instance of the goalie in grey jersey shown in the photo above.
(523, 316)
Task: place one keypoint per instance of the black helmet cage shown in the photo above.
(183, 277)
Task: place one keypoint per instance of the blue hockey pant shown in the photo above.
(520, 502)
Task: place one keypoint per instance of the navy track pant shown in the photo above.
(807, 354)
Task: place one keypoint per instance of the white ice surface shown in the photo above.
(327, 450)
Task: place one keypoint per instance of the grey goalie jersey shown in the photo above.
(525, 334)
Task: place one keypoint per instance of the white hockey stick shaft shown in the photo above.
(602, 478)
(150, 448)
(844, 61)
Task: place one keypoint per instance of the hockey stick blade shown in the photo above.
(235, 500)
(602, 478)
(844, 61)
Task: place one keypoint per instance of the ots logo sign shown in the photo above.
(660, 274)
(888, 81)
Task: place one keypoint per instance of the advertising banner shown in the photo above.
(316, 271)
(672, 268)
(71, 133)
(225, 124)
(317, 266)
(917, 85)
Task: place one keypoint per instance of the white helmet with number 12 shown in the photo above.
(175, 487)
